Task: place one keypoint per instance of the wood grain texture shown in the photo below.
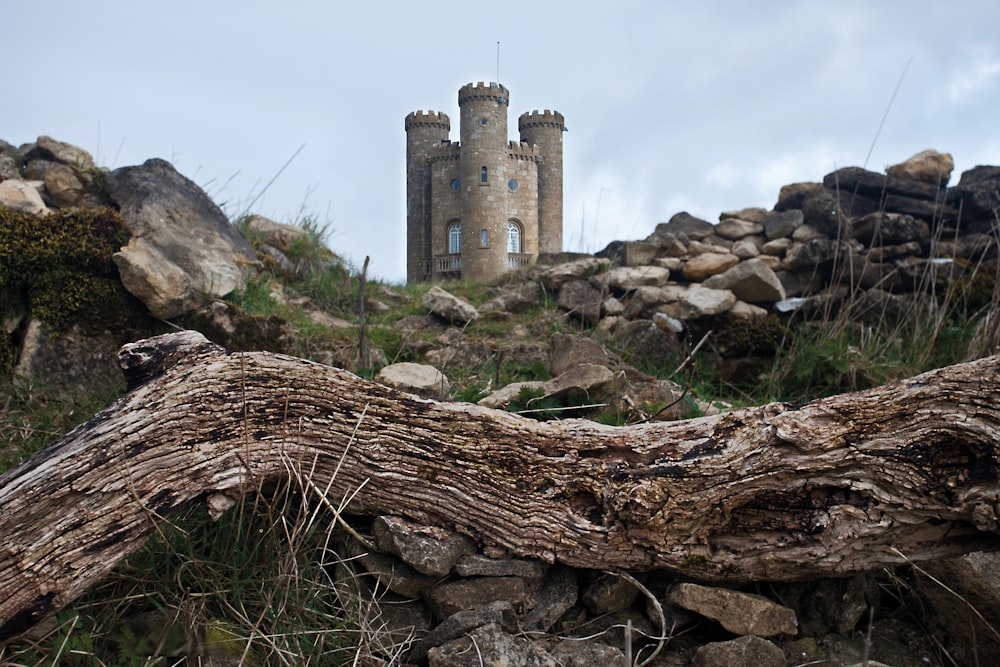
(775, 492)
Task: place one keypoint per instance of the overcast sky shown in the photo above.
(702, 106)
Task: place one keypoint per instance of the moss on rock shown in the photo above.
(58, 268)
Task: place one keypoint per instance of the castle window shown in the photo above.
(455, 184)
(455, 238)
(483, 121)
(513, 237)
(484, 238)
(512, 184)
(484, 176)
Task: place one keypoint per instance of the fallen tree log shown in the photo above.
(776, 492)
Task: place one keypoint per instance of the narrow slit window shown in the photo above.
(484, 239)
(484, 175)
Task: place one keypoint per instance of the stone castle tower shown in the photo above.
(483, 205)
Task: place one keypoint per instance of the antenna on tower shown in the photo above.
(498, 62)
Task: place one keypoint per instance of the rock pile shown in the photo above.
(887, 236)
(446, 604)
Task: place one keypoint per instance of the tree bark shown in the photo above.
(776, 492)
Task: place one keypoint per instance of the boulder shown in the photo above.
(448, 306)
(420, 379)
(928, 166)
(751, 281)
(739, 613)
(183, 252)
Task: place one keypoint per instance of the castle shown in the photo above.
(484, 205)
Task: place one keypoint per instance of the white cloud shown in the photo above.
(972, 78)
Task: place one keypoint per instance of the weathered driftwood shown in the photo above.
(777, 492)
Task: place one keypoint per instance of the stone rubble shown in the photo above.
(447, 601)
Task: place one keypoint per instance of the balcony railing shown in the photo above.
(518, 260)
(450, 263)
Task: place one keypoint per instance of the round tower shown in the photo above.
(544, 130)
(424, 132)
(483, 178)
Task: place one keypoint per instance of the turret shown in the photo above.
(544, 131)
(483, 177)
(424, 132)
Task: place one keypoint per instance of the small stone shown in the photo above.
(734, 229)
(708, 264)
(739, 613)
(703, 302)
(581, 300)
(627, 278)
(448, 306)
(742, 652)
(428, 550)
(927, 166)
(479, 565)
(608, 593)
(420, 379)
(468, 593)
(752, 281)
(489, 645)
(557, 594)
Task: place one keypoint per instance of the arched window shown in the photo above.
(484, 175)
(455, 238)
(513, 237)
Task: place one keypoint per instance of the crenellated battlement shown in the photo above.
(444, 151)
(483, 91)
(422, 118)
(545, 118)
(522, 150)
